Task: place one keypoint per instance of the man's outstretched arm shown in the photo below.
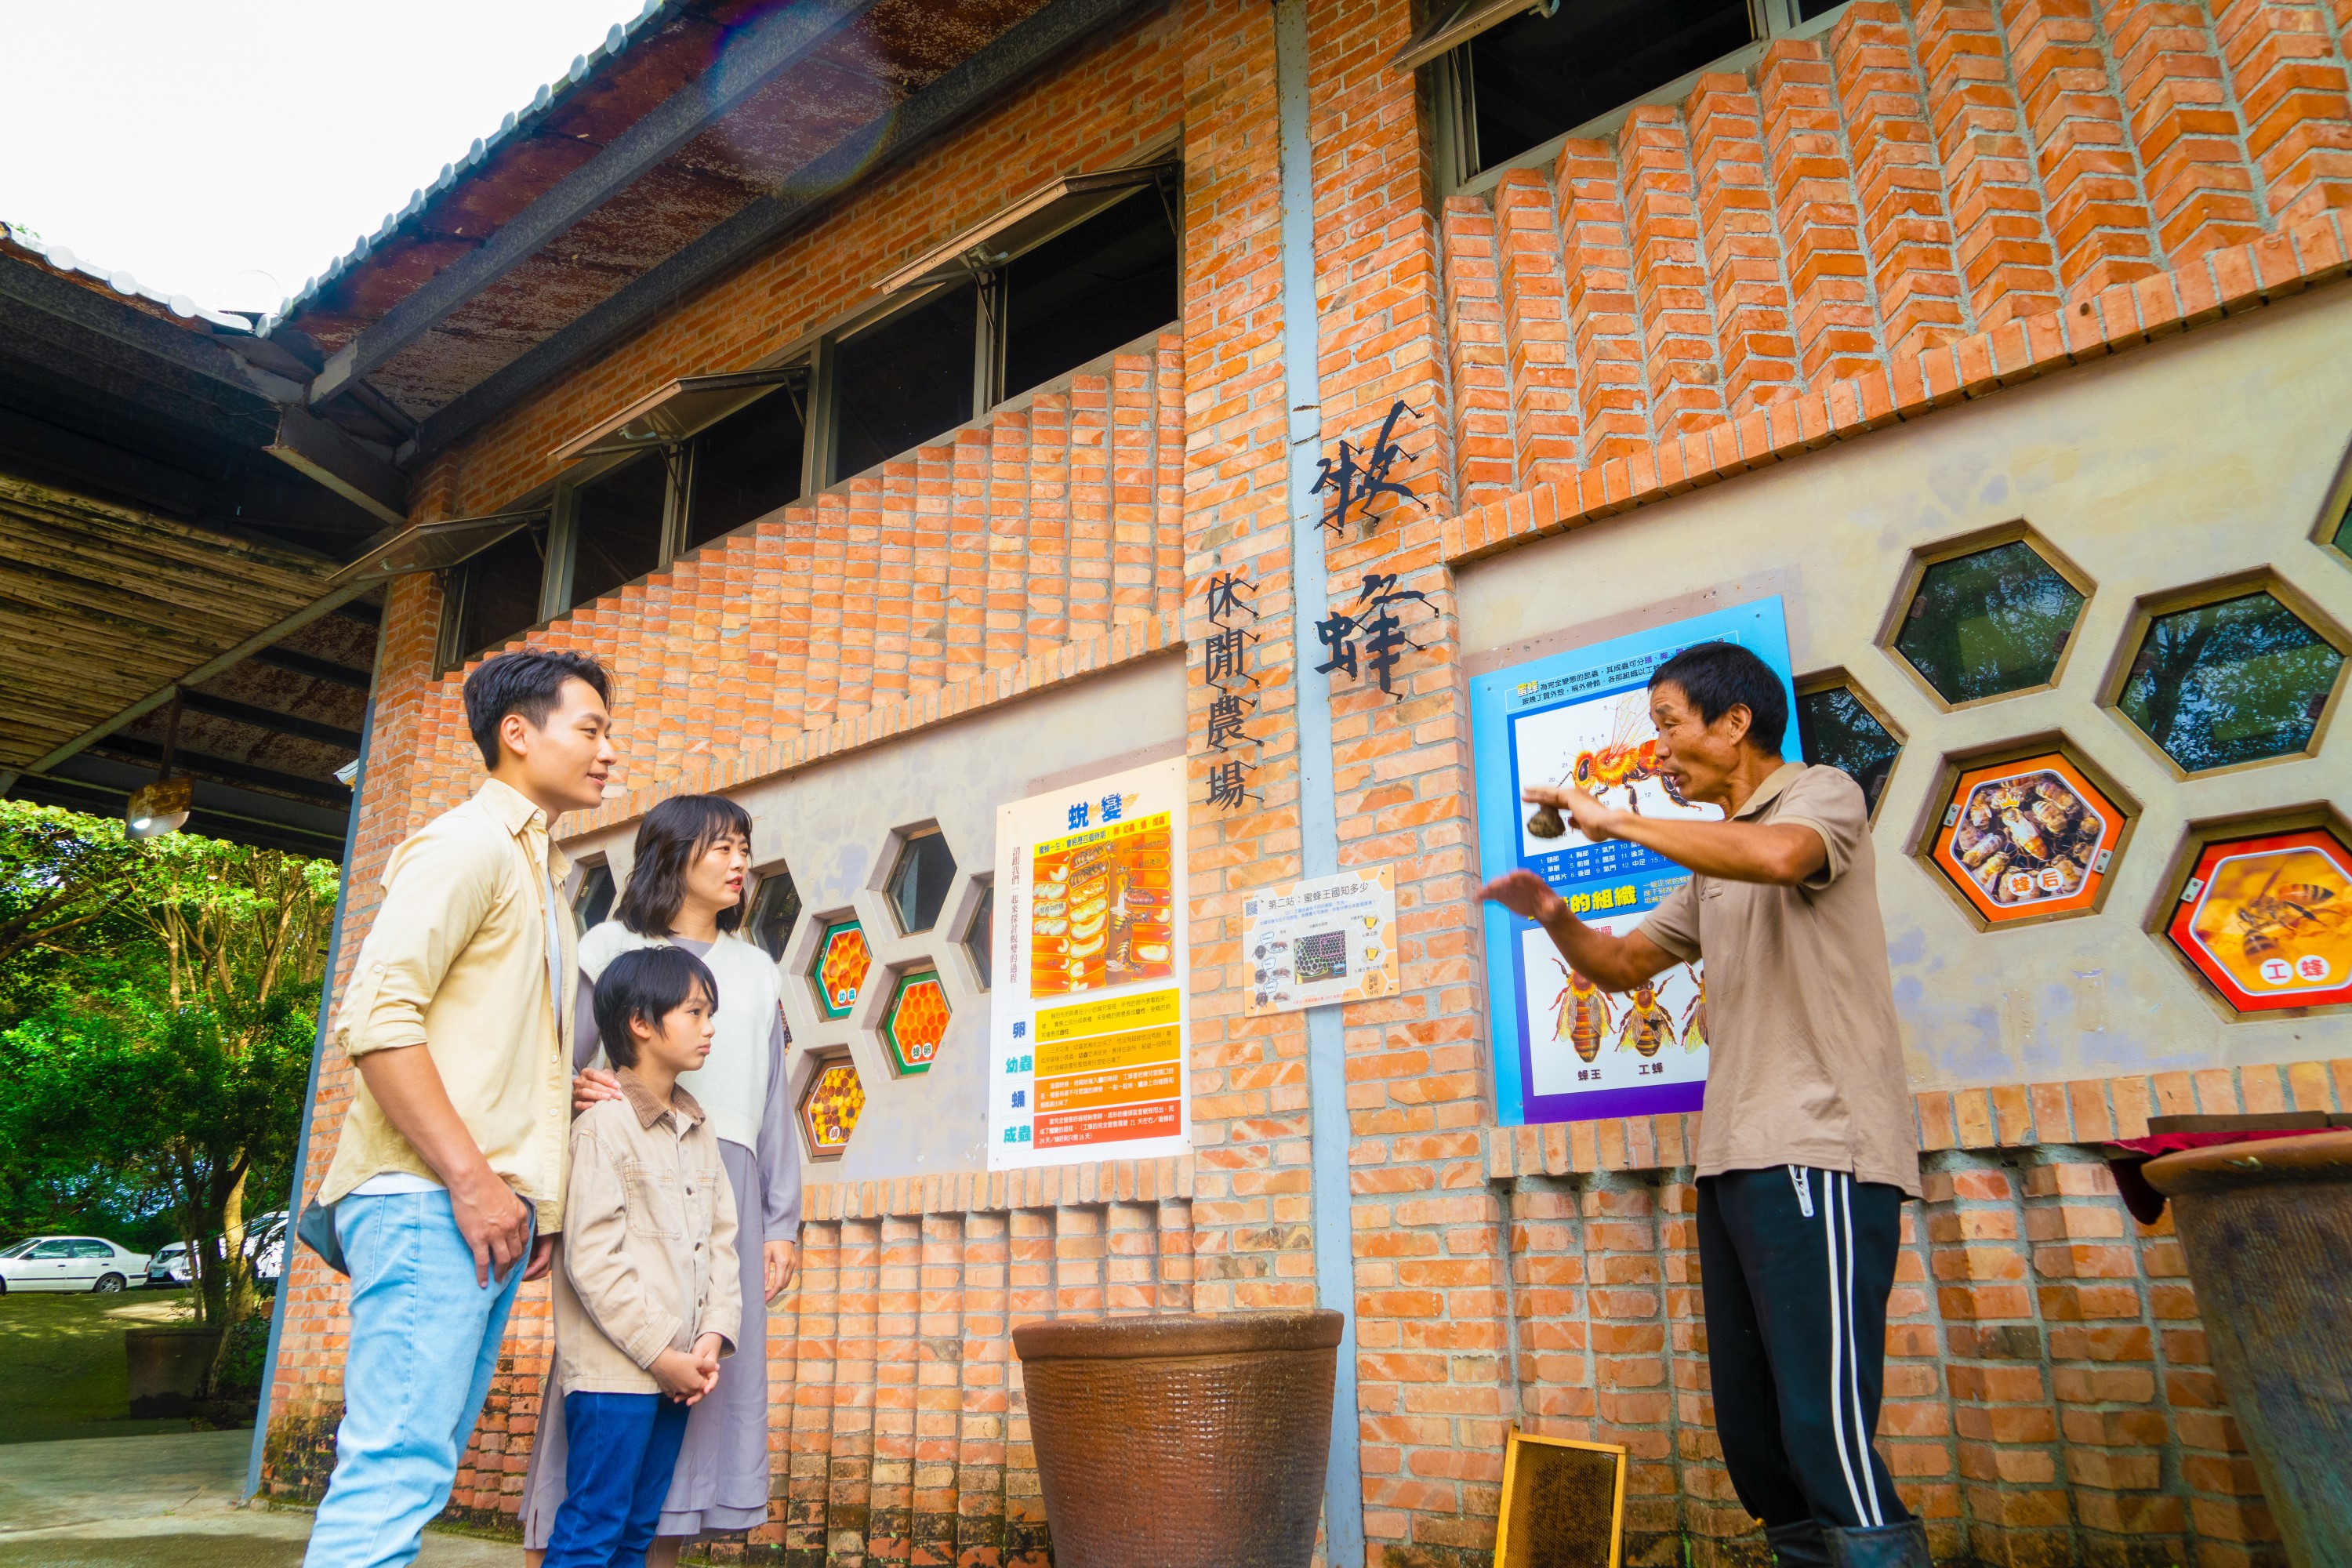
(1612, 962)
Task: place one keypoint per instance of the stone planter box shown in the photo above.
(167, 1366)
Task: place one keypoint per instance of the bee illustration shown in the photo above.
(1621, 762)
(1583, 1013)
(2278, 915)
(1647, 1025)
(1694, 1016)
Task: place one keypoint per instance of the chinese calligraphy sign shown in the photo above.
(1358, 478)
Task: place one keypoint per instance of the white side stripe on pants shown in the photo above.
(1846, 1365)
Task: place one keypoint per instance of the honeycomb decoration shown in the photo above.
(842, 960)
(830, 1108)
(916, 1023)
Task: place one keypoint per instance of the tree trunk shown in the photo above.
(237, 1279)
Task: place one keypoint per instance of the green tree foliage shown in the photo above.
(155, 1030)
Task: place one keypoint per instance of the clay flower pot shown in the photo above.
(1181, 1442)
(2267, 1229)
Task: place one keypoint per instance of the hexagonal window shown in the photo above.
(1988, 622)
(919, 881)
(980, 936)
(830, 1108)
(2341, 538)
(593, 903)
(1837, 727)
(2027, 838)
(916, 1022)
(2234, 681)
(842, 960)
(775, 911)
(2266, 918)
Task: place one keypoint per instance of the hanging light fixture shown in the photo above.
(160, 807)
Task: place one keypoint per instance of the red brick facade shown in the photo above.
(1921, 206)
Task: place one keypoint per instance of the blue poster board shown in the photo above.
(1565, 1051)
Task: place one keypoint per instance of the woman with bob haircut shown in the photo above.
(685, 890)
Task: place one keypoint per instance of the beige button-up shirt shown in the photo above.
(458, 962)
(1804, 1056)
(649, 1262)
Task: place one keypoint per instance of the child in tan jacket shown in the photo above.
(647, 1300)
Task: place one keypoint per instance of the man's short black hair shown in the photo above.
(1718, 677)
(648, 983)
(529, 683)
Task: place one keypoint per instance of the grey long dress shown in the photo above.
(721, 1482)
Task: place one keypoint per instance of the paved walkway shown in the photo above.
(165, 1502)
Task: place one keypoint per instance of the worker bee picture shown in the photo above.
(2027, 838)
(2269, 919)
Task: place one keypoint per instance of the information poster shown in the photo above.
(1566, 1050)
(1089, 1010)
(1327, 940)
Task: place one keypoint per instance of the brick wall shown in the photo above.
(1918, 207)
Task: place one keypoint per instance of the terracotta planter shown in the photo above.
(167, 1365)
(1180, 1442)
(2267, 1229)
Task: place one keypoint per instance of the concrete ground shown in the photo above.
(165, 1502)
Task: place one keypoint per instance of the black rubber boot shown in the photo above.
(1901, 1545)
(1797, 1545)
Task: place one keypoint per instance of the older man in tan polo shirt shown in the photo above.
(1807, 1148)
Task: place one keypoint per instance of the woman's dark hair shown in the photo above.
(648, 983)
(671, 838)
(1718, 677)
(529, 683)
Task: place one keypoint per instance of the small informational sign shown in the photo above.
(2267, 918)
(1087, 1012)
(1330, 938)
(1565, 1050)
(2028, 839)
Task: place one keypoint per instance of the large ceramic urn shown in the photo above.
(1181, 1442)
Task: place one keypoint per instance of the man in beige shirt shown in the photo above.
(1807, 1147)
(446, 1186)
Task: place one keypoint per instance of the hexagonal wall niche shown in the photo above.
(2241, 679)
(2266, 918)
(1989, 622)
(1837, 728)
(916, 1022)
(842, 957)
(2340, 536)
(2027, 838)
(919, 881)
(830, 1106)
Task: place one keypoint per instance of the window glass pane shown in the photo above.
(775, 911)
(2231, 682)
(981, 940)
(918, 886)
(898, 384)
(617, 537)
(1988, 622)
(1839, 732)
(2343, 531)
(1537, 77)
(50, 1249)
(595, 901)
(1080, 295)
(745, 467)
(93, 1249)
(502, 586)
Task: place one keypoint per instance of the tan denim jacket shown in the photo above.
(648, 1247)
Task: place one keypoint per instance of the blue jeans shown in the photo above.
(620, 1449)
(424, 1343)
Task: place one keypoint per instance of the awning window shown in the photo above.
(1453, 23)
(1028, 223)
(677, 412)
(434, 546)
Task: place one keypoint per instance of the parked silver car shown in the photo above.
(169, 1268)
(69, 1263)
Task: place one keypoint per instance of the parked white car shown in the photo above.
(69, 1263)
(169, 1268)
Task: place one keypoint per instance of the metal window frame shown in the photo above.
(1454, 121)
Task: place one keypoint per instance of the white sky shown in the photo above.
(230, 149)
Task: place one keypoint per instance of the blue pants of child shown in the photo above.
(620, 1452)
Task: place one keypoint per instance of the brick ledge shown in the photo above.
(1095, 1182)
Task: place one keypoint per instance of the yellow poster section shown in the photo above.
(1121, 1050)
